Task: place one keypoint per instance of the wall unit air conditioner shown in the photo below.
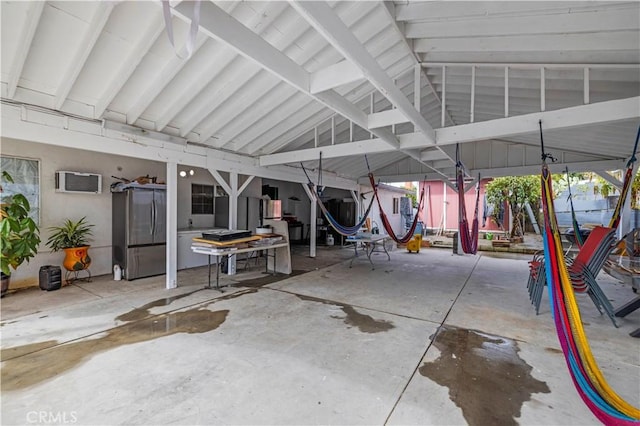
(76, 182)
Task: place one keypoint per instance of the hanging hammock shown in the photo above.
(591, 385)
(574, 220)
(385, 221)
(340, 229)
(468, 240)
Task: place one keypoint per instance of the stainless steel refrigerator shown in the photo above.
(139, 231)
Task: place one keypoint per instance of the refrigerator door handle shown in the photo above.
(154, 214)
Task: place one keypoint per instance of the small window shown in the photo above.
(201, 199)
(26, 180)
(396, 205)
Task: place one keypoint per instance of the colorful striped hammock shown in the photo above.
(589, 381)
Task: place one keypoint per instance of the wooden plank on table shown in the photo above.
(227, 243)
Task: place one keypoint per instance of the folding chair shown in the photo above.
(583, 270)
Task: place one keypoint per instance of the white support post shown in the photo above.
(506, 91)
(172, 226)
(393, 126)
(312, 221)
(473, 92)
(233, 216)
(333, 130)
(444, 96)
(371, 101)
(350, 131)
(542, 90)
(417, 73)
(586, 85)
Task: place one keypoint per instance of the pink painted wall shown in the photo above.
(432, 214)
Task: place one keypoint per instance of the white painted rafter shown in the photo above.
(94, 29)
(219, 25)
(494, 129)
(130, 62)
(330, 26)
(162, 79)
(34, 12)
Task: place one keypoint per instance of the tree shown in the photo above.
(517, 191)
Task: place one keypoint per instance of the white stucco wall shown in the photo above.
(55, 207)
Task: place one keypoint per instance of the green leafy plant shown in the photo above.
(19, 232)
(70, 234)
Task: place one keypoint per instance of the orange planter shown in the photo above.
(76, 258)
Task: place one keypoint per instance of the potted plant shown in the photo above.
(73, 238)
(19, 233)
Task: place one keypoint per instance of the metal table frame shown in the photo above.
(219, 252)
(369, 244)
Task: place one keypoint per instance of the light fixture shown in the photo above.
(191, 172)
(183, 173)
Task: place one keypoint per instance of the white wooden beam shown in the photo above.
(583, 115)
(88, 41)
(585, 89)
(606, 176)
(386, 118)
(34, 12)
(443, 102)
(493, 129)
(338, 74)
(472, 107)
(539, 23)
(432, 155)
(331, 27)
(91, 137)
(622, 40)
(417, 74)
(553, 167)
(245, 184)
(506, 91)
(216, 23)
(130, 62)
(367, 146)
(219, 25)
(221, 181)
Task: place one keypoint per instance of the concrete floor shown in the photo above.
(330, 345)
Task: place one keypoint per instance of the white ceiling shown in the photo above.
(263, 80)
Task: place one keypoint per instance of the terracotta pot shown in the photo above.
(76, 258)
(5, 283)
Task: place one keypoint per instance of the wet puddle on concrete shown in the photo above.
(28, 370)
(365, 323)
(39, 363)
(17, 351)
(143, 311)
(485, 375)
(268, 279)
